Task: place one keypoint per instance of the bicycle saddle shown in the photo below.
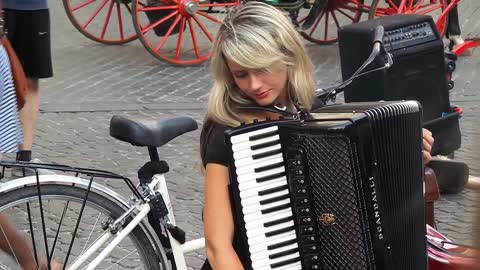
(149, 132)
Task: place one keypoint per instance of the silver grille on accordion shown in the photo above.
(341, 190)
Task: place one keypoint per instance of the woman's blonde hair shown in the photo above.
(255, 36)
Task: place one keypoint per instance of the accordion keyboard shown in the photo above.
(265, 200)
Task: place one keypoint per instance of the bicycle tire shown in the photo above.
(11, 203)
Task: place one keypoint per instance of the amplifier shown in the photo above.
(418, 71)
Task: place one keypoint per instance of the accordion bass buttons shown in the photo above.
(303, 209)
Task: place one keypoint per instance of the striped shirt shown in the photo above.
(10, 131)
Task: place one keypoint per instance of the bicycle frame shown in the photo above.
(179, 250)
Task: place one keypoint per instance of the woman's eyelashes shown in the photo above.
(244, 74)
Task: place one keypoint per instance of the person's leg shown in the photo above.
(453, 27)
(28, 118)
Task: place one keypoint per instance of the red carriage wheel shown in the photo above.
(179, 31)
(321, 26)
(104, 21)
(433, 8)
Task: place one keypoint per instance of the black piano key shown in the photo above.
(286, 262)
(269, 167)
(264, 135)
(266, 154)
(264, 145)
(282, 244)
(283, 253)
(278, 221)
(280, 231)
(272, 190)
(274, 199)
(270, 177)
(276, 208)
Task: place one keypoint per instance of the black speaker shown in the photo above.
(418, 71)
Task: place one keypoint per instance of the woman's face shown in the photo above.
(265, 87)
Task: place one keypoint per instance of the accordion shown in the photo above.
(342, 189)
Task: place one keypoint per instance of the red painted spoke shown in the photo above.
(218, 5)
(165, 37)
(346, 15)
(120, 22)
(317, 22)
(401, 7)
(204, 30)
(418, 5)
(151, 26)
(326, 26)
(107, 20)
(209, 17)
(432, 8)
(102, 5)
(128, 7)
(390, 2)
(180, 37)
(194, 39)
(88, 2)
(335, 19)
(158, 8)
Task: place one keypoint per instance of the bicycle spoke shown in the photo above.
(9, 245)
(58, 231)
(90, 234)
(34, 246)
(42, 218)
(116, 263)
(74, 235)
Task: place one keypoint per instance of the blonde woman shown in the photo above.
(258, 59)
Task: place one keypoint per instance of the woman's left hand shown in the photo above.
(427, 146)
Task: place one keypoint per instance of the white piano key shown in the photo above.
(247, 144)
(249, 185)
(254, 248)
(266, 253)
(265, 230)
(257, 165)
(293, 266)
(249, 161)
(254, 208)
(257, 199)
(255, 223)
(263, 239)
(253, 191)
(246, 136)
(258, 215)
(248, 153)
(267, 261)
(261, 221)
(254, 176)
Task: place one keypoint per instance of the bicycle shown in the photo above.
(140, 233)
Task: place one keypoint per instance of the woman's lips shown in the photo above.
(262, 95)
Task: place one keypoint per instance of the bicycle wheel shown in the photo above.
(52, 236)
(104, 21)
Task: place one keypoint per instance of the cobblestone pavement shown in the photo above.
(93, 82)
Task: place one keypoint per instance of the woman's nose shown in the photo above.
(255, 82)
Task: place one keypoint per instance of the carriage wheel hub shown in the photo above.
(191, 7)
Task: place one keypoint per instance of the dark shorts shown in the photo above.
(29, 33)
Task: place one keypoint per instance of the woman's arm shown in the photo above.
(218, 220)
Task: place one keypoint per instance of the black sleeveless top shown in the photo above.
(217, 152)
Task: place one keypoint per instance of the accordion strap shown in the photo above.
(299, 113)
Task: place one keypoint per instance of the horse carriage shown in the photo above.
(181, 31)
